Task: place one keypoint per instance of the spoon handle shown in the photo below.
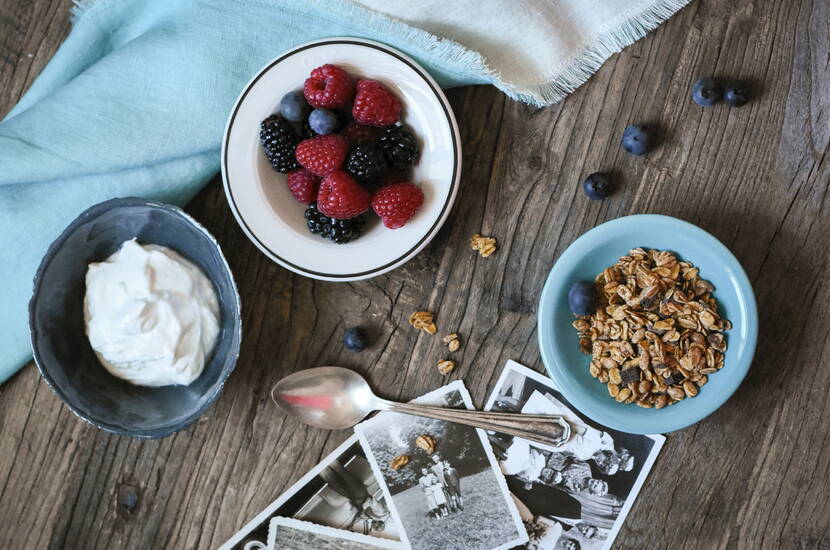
(546, 429)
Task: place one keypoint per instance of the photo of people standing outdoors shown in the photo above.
(448, 497)
(442, 487)
(575, 496)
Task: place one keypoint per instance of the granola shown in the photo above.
(452, 341)
(423, 320)
(445, 366)
(399, 462)
(656, 334)
(484, 245)
(425, 442)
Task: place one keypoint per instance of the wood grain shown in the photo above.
(753, 475)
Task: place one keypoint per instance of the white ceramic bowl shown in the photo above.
(273, 219)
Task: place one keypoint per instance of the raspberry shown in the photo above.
(375, 105)
(329, 86)
(303, 185)
(341, 197)
(322, 155)
(397, 203)
(358, 133)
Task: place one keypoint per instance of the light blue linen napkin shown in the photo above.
(135, 101)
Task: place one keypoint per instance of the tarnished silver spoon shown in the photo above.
(336, 398)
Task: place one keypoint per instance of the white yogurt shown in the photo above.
(152, 317)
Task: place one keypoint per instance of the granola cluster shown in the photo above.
(656, 334)
(484, 245)
(399, 462)
(423, 320)
(425, 442)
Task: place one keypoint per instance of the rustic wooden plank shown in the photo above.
(753, 475)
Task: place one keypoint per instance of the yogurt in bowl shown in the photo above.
(151, 316)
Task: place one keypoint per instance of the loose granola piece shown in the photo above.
(445, 366)
(399, 462)
(422, 320)
(452, 341)
(425, 442)
(484, 245)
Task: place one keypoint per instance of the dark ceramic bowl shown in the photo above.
(56, 321)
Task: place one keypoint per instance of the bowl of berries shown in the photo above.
(341, 159)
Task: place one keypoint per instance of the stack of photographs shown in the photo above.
(474, 490)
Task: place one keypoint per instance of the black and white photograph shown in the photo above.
(293, 534)
(341, 492)
(573, 497)
(442, 479)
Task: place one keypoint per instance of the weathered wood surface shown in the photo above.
(753, 475)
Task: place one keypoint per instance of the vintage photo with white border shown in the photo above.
(340, 492)
(293, 534)
(574, 497)
(441, 479)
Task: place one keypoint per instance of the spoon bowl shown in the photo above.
(333, 398)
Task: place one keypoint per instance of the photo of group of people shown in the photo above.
(575, 496)
(442, 487)
(452, 497)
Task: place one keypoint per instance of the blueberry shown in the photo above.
(707, 91)
(597, 186)
(293, 106)
(582, 298)
(354, 339)
(323, 121)
(635, 139)
(736, 93)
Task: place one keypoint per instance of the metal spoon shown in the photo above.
(336, 398)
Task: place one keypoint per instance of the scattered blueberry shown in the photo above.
(323, 121)
(582, 298)
(736, 93)
(293, 106)
(597, 186)
(635, 139)
(354, 339)
(706, 91)
(128, 497)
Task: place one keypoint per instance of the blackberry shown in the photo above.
(339, 231)
(400, 146)
(279, 141)
(366, 162)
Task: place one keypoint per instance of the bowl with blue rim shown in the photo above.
(600, 248)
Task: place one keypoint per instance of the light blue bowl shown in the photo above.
(600, 248)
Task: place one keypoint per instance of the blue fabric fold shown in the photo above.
(134, 103)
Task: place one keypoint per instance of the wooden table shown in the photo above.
(752, 475)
